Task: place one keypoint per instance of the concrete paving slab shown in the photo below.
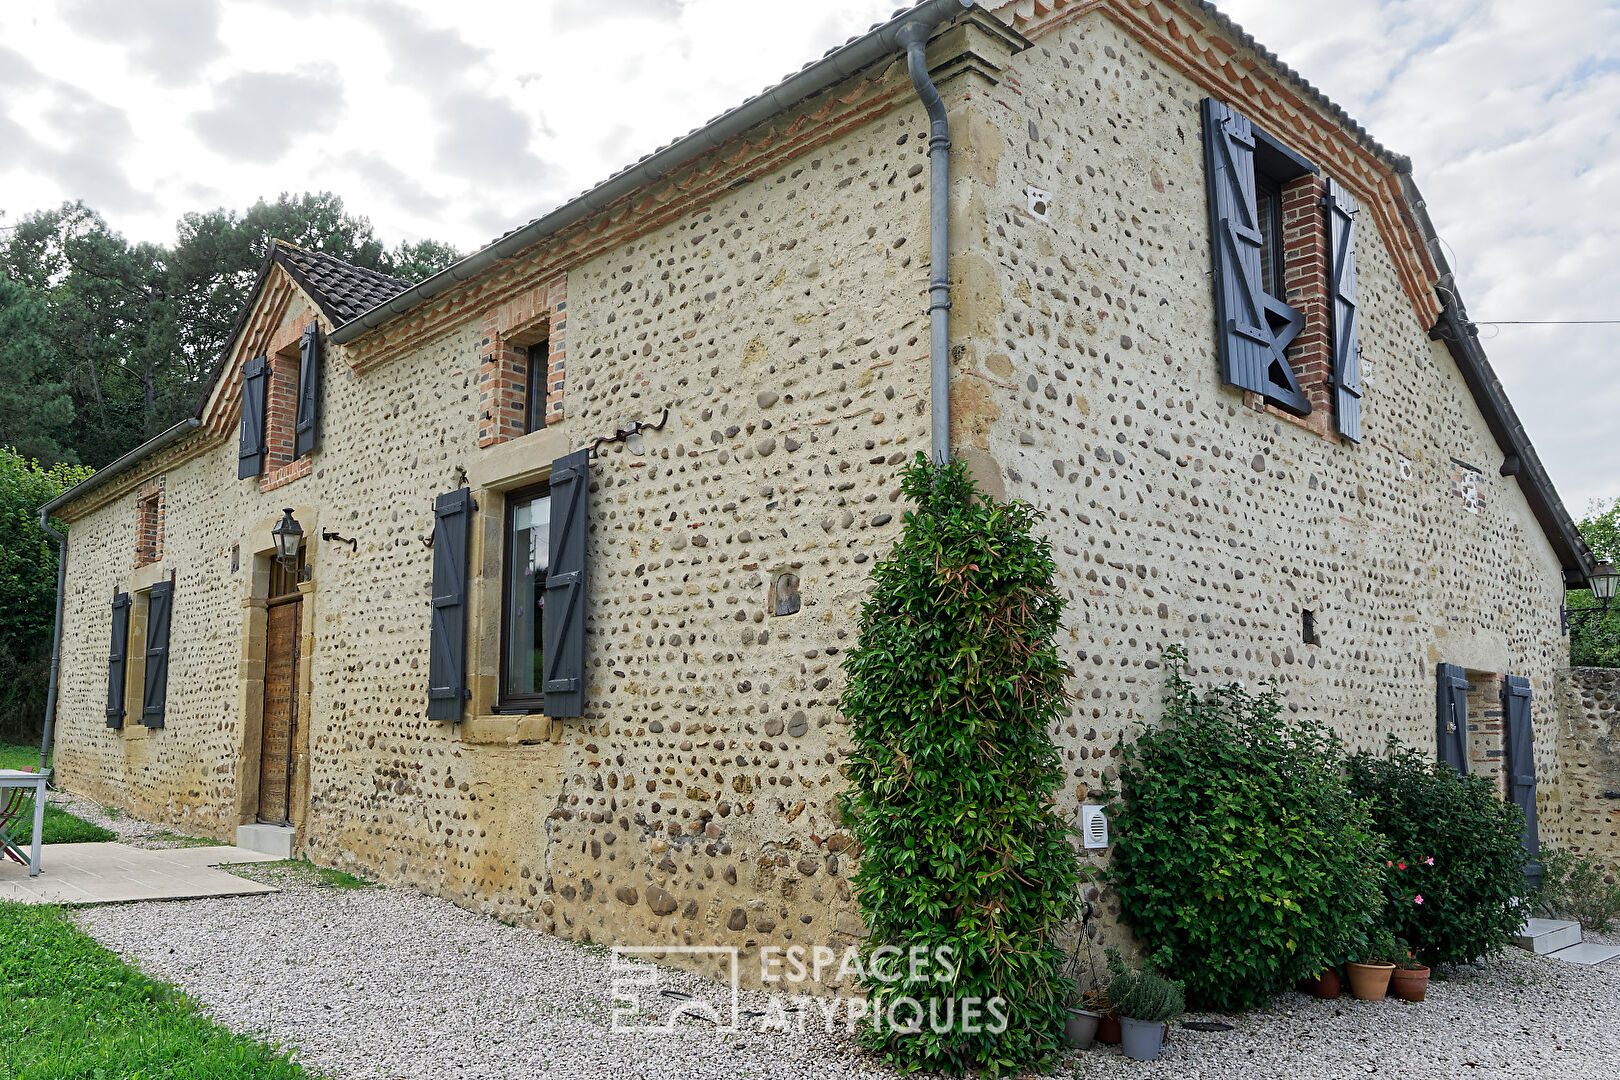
(1588, 953)
(117, 873)
(214, 855)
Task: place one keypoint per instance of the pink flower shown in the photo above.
(1418, 899)
(1403, 866)
(1429, 860)
(1389, 864)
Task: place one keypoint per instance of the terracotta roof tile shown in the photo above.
(342, 290)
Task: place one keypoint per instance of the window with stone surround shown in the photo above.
(527, 541)
(149, 509)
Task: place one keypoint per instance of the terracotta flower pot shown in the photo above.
(1325, 985)
(1080, 1027)
(1369, 982)
(1410, 984)
(1108, 1030)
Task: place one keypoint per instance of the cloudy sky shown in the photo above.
(459, 121)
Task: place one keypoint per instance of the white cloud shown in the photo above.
(1511, 115)
(462, 121)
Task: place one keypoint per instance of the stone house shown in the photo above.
(1196, 314)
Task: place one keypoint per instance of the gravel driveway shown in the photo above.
(389, 983)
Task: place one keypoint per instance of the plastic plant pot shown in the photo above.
(1140, 1039)
(1080, 1028)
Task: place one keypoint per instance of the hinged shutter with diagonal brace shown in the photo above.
(1521, 765)
(447, 632)
(115, 660)
(1253, 328)
(1451, 715)
(1341, 226)
(159, 611)
(255, 385)
(307, 427)
(564, 664)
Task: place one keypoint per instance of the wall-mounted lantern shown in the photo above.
(1603, 581)
(288, 535)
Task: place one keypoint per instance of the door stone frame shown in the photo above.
(258, 555)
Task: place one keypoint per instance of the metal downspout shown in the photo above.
(56, 638)
(914, 36)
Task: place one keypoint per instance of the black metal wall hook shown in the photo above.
(635, 428)
(354, 544)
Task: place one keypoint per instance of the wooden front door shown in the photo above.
(280, 711)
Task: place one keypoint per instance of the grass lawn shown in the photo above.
(61, 827)
(71, 1009)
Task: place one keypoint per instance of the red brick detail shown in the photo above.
(149, 508)
(281, 410)
(535, 316)
(284, 474)
(1487, 731)
(1305, 288)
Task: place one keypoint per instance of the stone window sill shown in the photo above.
(506, 730)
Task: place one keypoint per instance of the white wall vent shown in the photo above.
(1040, 203)
(1094, 826)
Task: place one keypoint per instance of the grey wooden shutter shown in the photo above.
(158, 609)
(1521, 766)
(115, 660)
(1253, 329)
(564, 663)
(1341, 226)
(447, 657)
(309, 391)
(1452, 716)
(255, 385)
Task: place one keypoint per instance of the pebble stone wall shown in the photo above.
(783, 326)
(1589, 754)
(1181, 514)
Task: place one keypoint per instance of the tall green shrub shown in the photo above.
(952, 690)
(1240, 854)
(1454, 884)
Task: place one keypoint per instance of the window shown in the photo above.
(534, 404)
(528, 549)
(1268, 218)
(1249, 176)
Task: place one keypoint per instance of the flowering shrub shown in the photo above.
(1454, 887)
(1241, 855)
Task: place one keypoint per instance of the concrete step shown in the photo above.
(1540, 936)
(1587, 953)
(277, 840)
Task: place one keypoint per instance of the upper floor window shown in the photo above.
(534, 387)
(280, 421)
(1282, 241)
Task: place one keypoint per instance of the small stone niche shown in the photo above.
(785, 594)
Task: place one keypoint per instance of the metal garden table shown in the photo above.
(12, 783)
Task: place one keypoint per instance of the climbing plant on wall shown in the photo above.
(953, 689)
